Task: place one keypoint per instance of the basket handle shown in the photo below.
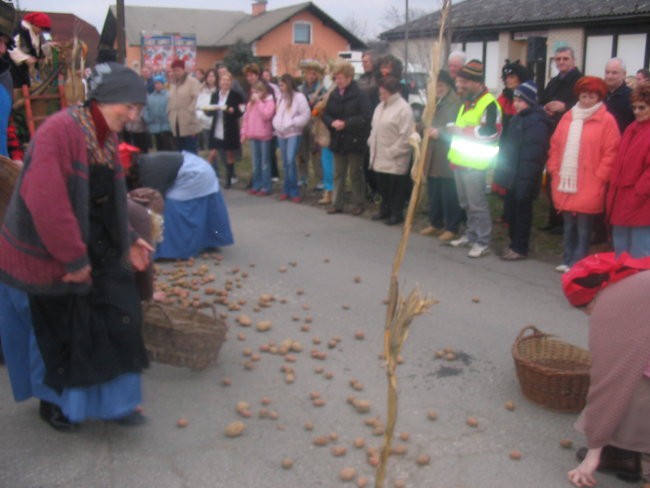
(161, 308)
(535, 332)
(207, 305)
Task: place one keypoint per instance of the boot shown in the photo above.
(229, 173)
(327, 198)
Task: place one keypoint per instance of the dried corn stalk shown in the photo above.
(400, 313)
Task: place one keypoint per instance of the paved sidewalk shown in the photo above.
(328, 252)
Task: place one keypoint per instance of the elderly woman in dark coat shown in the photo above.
(520, 166)
(347, 115)
(69, 309)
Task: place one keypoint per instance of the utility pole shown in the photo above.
(121, 37)
(406, 39)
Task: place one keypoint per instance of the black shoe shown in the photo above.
(379, 216)
(53, 415)
(626, 465)
(394, 220)
(131, 420)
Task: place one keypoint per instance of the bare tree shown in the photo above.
(357, 27)
(395, 16)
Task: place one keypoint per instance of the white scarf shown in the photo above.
(569, 167)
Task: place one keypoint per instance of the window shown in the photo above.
(302, 33)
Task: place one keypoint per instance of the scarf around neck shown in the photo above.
(569, 166)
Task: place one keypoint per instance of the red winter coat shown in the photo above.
(598, 145)
(628, 199)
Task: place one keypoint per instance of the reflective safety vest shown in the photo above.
(471, 152)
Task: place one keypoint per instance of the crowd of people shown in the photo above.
(73, 245)
(351, 133)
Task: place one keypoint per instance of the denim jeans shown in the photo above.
(327, 162)
(633, 240)
(577, 236)
(261, 154)
(289, 150)
(470, 184)
(444, 209)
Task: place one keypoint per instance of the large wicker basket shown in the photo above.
(551, 372)
(182, 337)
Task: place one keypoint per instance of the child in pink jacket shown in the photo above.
(257, 126)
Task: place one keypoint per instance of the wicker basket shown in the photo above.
(182, 337)
(551, 373)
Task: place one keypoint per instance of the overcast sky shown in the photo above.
(368, 14)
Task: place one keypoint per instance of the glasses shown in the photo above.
(639, 108)
(562, 58)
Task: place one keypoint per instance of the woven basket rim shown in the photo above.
(541, 336)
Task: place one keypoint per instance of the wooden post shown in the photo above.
(121, 35)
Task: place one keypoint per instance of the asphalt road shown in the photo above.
(322, 254)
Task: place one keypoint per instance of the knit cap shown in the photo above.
(527, 92)
(473, 71)
(445, 77)
(115, 83)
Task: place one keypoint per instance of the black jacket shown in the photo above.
(618, 104)
(560, 88)
(523, 153)
(354, 108)
(231, 141)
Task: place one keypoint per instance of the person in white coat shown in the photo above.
(291, 116)
(390, 153)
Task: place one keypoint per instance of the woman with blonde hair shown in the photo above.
(347, 115)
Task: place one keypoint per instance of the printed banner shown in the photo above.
(159, 50)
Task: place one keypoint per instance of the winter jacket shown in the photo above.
(290, 121)
(628, 198)
(392, 124)
(258, 120)
(47, 225)
(181, 108)
(523, 152)
(437, 150)
(155, 112)
(560, 88)
(619, 105)
(234, 100)
(598, 147)
(353, 107)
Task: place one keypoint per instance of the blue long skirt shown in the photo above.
(110, 400)
(192, 226)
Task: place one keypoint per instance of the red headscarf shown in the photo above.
(39, 19)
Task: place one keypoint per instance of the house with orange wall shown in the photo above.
(281, 38)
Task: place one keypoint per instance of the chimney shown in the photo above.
(259, 7)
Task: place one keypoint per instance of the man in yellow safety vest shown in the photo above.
(473, 150)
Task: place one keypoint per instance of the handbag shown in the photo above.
(320, 132)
